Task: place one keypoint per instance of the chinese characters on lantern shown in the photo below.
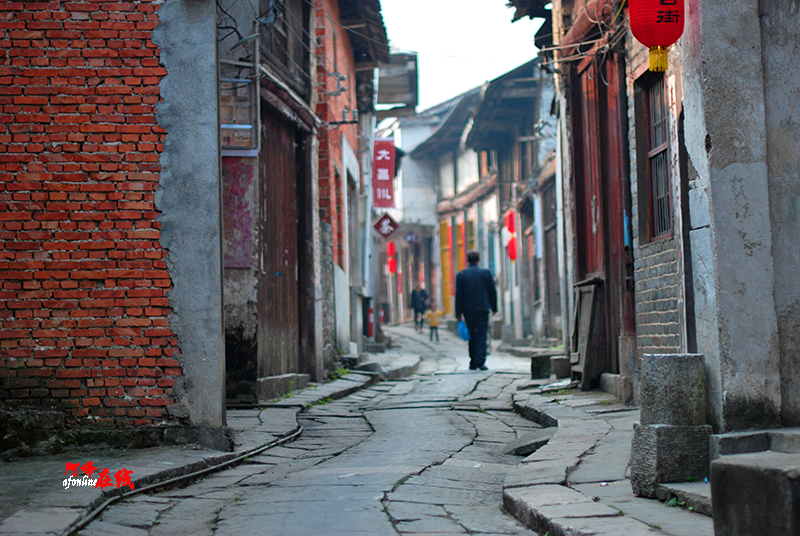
(383, 165)
(668, 15)
(103, 480)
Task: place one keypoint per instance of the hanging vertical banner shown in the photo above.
(383, 173)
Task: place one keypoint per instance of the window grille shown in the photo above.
(658, 168)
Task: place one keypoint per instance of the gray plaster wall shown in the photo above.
(780, 20)
(341, 300)
(726, 138)
(189, 201)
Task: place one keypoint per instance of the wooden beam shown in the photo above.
(351, 24)
(366, 66)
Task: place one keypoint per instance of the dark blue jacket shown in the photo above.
(475, 291)
(419, 299)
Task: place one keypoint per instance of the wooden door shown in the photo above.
(590, 232)
(552, 291)
(278, 291)
(619, 299)
(602, 201)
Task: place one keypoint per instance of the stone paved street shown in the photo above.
(415, 456)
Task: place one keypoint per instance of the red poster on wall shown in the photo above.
(383, 173)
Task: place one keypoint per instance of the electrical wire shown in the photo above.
(611, 37)
(222, 26)
(337, 23)
(621, 6)
(310, 39)
(315, 52)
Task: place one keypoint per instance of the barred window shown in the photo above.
(658, 168)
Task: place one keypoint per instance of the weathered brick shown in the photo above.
(80, 150)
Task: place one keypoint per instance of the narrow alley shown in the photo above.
(224, 223)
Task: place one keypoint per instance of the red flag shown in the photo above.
(383, 174)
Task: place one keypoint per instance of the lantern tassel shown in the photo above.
(659, 59)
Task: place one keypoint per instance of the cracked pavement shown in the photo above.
(415, 456)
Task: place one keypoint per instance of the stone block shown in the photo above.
(785, 440)
(673, 389)
(610, 383)
(662, 453)
(349, 361)
(529, 443)
(540, 367)
(274, 386)
(756, 494)
(694, 495)
(560, 366)
(750, 441)
(738, 443)
(376, 347)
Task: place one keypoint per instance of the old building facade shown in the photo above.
(292, 216)
(694, 203)
(166, 202)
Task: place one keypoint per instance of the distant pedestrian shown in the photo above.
(432, 316)
(419, 303)
(476, 295)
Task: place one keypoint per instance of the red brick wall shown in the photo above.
(83, 306)
(334, 54)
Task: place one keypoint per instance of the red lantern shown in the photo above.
(657, 24)
(512, 249)
(392, 262)
(391, 250)
(510, 221)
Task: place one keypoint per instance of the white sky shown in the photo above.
(460, 43)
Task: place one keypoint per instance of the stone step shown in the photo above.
(694, 496)
(778, 440)
(756, 493)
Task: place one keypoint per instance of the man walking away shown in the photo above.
(476, 295)
(419, 302)
(432, 316)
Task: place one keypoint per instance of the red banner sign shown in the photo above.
(383, 174)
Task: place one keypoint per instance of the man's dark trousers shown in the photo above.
(478, 325)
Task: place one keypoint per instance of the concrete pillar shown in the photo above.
(731, 232)
(781, 48)
(189, 200)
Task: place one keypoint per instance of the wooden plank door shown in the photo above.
(278, 292)
(619, 296)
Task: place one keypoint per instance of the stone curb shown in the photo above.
(536, 493)
(391, 367)
(344, 386)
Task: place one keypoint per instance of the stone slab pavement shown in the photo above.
(35, 499)
(578, 484)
